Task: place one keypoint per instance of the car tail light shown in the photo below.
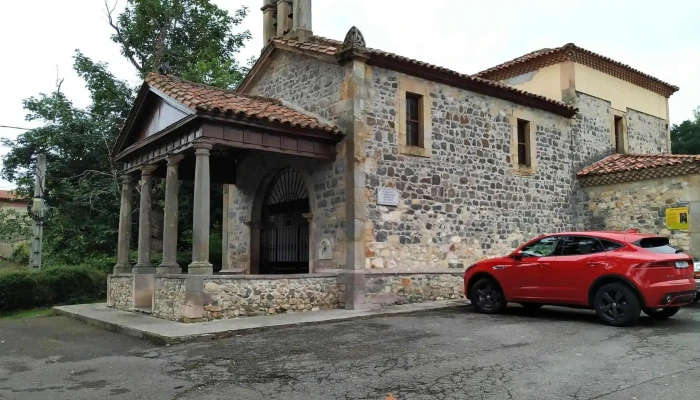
(697, 274)
(657, 264)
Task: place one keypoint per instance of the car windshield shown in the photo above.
(657, 245)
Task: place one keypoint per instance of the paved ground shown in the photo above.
(448, 354)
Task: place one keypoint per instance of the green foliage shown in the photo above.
(193, 36)
(20, 254)
(60, 285)
(685, 138)
(82, 188)
(15, 225)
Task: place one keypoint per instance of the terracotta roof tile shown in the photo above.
(7, 195)
(332, 47)
(548, 56)
(208, 99)
(635, 162)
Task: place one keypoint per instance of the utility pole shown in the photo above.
(38, 213)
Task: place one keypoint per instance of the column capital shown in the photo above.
(148, 169)
(202, 148)
(127, 179)
(174, 159)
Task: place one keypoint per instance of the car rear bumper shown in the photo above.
(670, 294)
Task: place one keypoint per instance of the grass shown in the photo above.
(23, 314)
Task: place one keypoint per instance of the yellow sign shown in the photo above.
(677, 218)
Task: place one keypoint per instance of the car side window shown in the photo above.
(581, 245)
(608, 245)
(542, 248)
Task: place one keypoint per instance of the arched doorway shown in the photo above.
(284, 230)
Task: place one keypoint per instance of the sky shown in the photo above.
(662, 39)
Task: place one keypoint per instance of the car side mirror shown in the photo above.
(517, 255)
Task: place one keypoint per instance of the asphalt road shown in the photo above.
(449, 354)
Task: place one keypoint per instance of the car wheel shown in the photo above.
(487, 296)
(532, 306)
(661, 313)
(616, 304)
(696, 298)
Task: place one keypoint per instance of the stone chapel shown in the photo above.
(356, 177)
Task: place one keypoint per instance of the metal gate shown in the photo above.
(284, 234)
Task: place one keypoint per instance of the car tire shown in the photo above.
(661, 313)
(616, 304)
(487, 296)
(532, 306)
(696, 298)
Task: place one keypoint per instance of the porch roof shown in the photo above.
(170, 112)
(207, 99)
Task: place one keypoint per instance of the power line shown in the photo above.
(15, 127)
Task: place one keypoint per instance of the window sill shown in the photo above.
(523, 171)
(415, 151)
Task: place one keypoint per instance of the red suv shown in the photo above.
(617, 274)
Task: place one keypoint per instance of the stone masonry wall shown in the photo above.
(314, 86)
(418, 288)
(646, 134)
(591, 141)
(247, 296)
(640, 205)
(169, 299)
(465, 202)
(121, 292)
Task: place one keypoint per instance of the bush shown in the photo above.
(20, 254)
(51, 286)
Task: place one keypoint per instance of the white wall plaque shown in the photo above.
(388, 197)
(325, 250)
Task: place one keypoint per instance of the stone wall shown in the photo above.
(646, 134)
(169, 298)
(465, 201)
(641, 205)
(241, 296)
(121, 292)
(415, 288)
(315, 87)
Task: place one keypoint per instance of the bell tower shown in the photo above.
(288, 18)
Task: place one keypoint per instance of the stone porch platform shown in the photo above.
(162, 332)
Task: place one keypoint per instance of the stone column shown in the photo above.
(169, 264)
(302, 20)
(123, 247)
(200, 225)
(284, 23)
(144, 266)
(269, 30)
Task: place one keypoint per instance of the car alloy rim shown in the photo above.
(489, 297)
(613, 305)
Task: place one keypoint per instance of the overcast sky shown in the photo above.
(38, 39)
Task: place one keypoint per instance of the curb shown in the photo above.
(166, 340)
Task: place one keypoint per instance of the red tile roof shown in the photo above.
(7, 195)
(202, 98)
(635, 162)
(330, 47)
(570, 52)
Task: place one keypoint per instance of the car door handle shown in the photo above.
(596, 263)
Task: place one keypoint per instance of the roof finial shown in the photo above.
(354, 40)
(354, 46)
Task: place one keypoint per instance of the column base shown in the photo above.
(200, 268)
(168, 269)
(122, 269)
(355, 289)
(144, 269)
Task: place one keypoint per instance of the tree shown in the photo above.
(194, 37)
(685, 138)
